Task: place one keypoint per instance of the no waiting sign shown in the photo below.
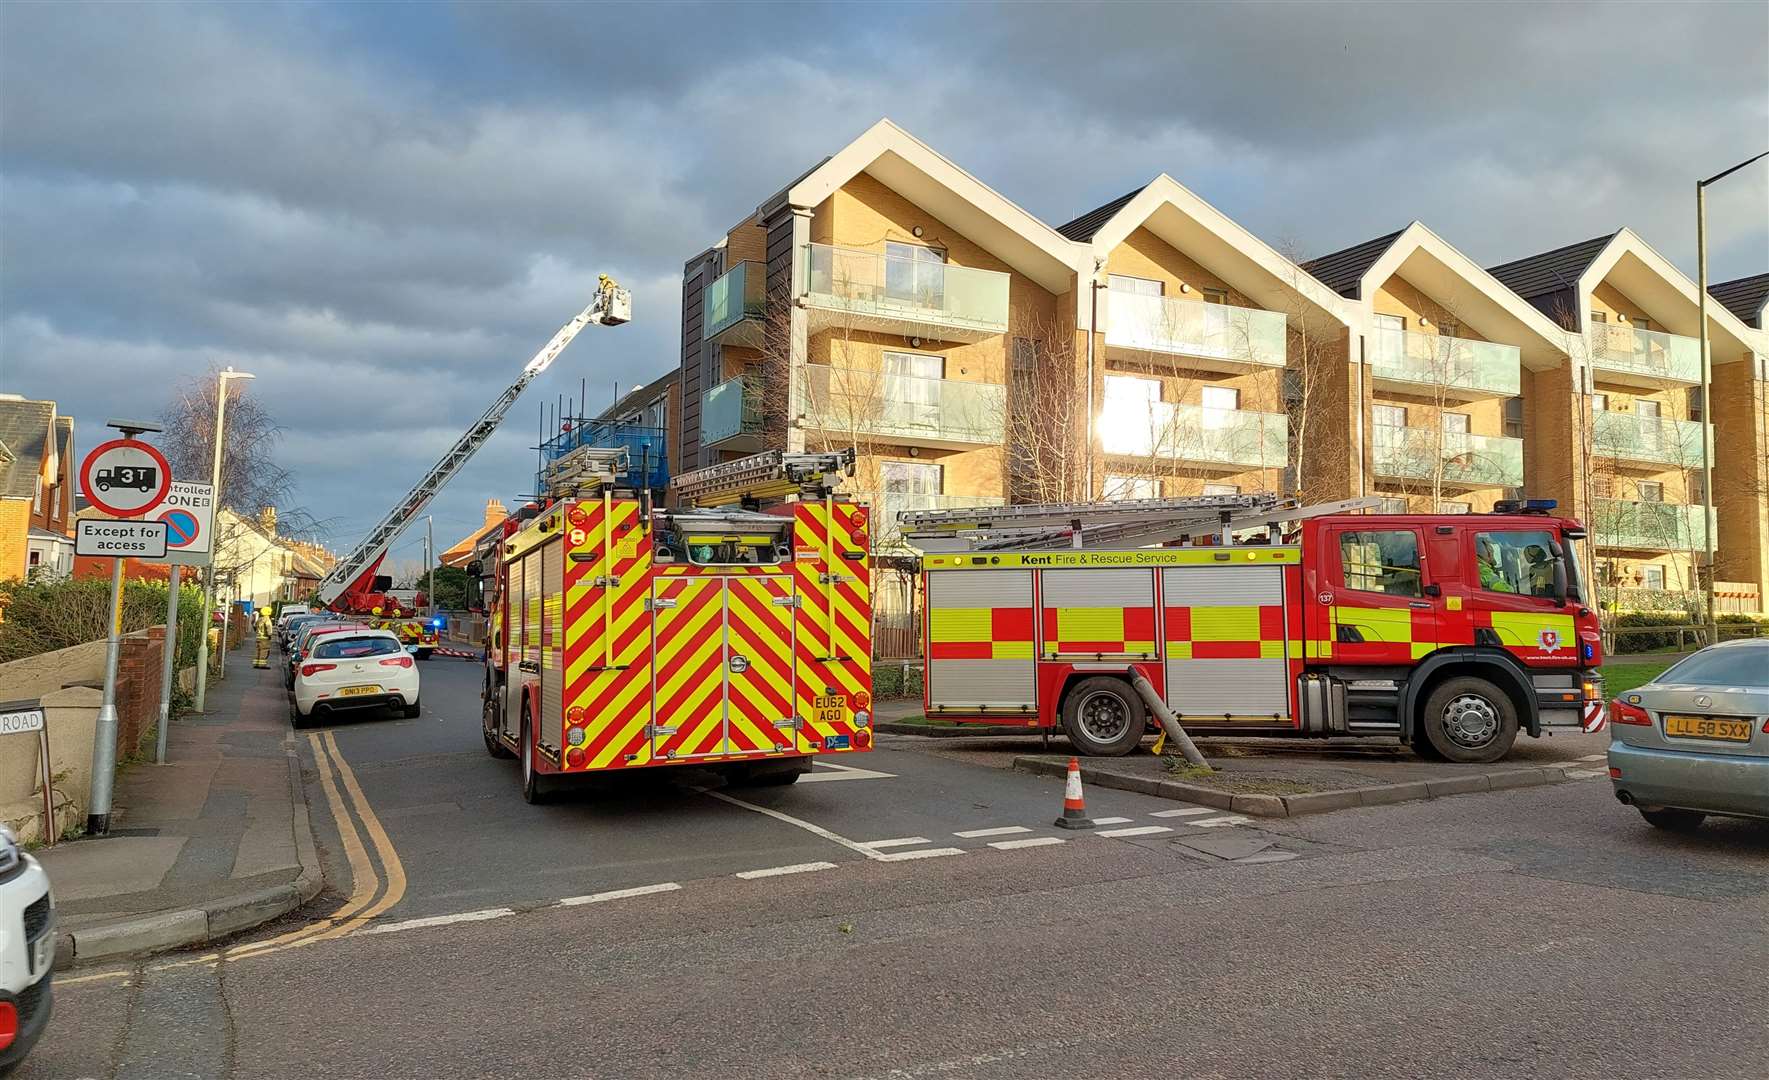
(189, 514)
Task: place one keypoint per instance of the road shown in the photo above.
(920, 917)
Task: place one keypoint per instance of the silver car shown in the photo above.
(1695, 741)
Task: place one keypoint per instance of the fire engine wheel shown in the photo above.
(535, 788)
(1469, 720)
(1104, 717)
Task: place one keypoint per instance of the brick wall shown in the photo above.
(138, 687)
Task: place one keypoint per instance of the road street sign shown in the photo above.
(125, 477)
(189, 514)
(20, 721)
(120, 539)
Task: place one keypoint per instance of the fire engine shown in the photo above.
(1251, 615)
(624, 635)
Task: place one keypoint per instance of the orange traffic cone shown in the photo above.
(1074, 809)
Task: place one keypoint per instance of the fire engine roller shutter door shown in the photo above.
(552, 657)
(515, 606)
(980, 641)
(1227, 654)
(1102, 614)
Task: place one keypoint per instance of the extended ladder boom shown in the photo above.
(612, 306)
(768, 475)
(1123, 523)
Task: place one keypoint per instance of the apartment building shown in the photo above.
(1640, 419)
(1449, 367)
(1200, 331)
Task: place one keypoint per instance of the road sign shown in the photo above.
(125, 477)
(189, 514)
(120, 539)
(17, 722)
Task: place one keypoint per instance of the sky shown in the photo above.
(383, 210)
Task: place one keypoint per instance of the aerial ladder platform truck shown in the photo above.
(1251, 615)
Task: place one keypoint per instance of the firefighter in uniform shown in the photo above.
(262, 658)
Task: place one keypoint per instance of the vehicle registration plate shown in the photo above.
(1707, 727)
(358, 691)
(830, 708)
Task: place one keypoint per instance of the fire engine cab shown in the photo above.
(1250, 615)
(625, 635)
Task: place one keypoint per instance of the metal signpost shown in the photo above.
(126, 478)
(22, 718)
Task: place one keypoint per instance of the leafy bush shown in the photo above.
(42, 616)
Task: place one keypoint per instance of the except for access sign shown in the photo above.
(125, 477)
(121, 539)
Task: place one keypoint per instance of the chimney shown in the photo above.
(267, 519)
(495, 511)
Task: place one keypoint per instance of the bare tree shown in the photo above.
(251, 477)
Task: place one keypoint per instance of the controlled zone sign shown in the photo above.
(125, 477)
(189, 514)
(120, 539)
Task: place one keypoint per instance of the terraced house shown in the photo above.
(1639, 420)
(888, 301)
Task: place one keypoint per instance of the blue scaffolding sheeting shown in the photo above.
(648, 459)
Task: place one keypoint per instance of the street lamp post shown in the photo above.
(1707, 379)
(209, 571)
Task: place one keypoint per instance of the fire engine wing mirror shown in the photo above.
(1560, 580)
(474, 569)
(1433, 590)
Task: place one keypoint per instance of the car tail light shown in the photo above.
(8, 1023)
(1614, 773)
(1620, 712)
(397, 661)
(315, 669)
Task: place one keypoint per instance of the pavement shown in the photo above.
(214, 842)
(913, 912)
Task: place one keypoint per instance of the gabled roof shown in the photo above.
(1082, 228)
(1551, 270)
(917, 172)
(25, 430)
(1343, 270)
(1745, 297)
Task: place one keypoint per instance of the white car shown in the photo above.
(27, 950)
(354, 669)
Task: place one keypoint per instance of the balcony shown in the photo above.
(1647, 526)
(904, 409)
(1466, 461)
(1646, 440)
(1645, 358)
(731, 415)
(865, 290)
(1215, 440)
(1444, 367)
(1215, 337)
(732, 307)
(886, 505)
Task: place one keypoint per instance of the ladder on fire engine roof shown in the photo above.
(772, 474)
(1123, 523)
(586, 471)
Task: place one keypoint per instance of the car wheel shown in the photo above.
(536, 788)
(410, 712)
(1469, 720)
(296, 719)
(424, 654)
(1104, 717)
(1673, 819)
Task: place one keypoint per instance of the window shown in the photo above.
(1132, 487)
(1599, 316)
(1652, 576)
(1128, 413)
(1222, 489)
(911, 389)
(352, 648)
(1514, 417)
(1024, 364)
(915, 273)
(1650, 491)
(1599, 402)
(1739, 665)
(1695, 403)
(36, 557)
(1392, 504)
(1220, 402)
(1641, 322)
(1453, 507)
(910, 477)
(1647, 409)
(37, 499)
(1456, 422)
(1449, 328)
(1388, 415)
(1381, 561)
(1139, 286)
(1215, 296)
(1695, 486)
(1515, 561)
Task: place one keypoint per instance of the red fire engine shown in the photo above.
(1452, 632)
(624, 635)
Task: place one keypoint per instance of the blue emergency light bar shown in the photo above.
(1524, 506)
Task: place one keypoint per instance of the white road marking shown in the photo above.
(438, 920)
(1030, 841)
(1005, 830)
(843, 772)
(1215, 822)
(619, 894)
(1135, 830)
(1110, 820)
(776, 871)
(1184, 811)
(901, 841)
(815, 830)
(919, 853)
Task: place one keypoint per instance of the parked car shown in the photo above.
(1695, 740)
(27, 950)
(292, 626)
(304, 643)
(355, 669)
